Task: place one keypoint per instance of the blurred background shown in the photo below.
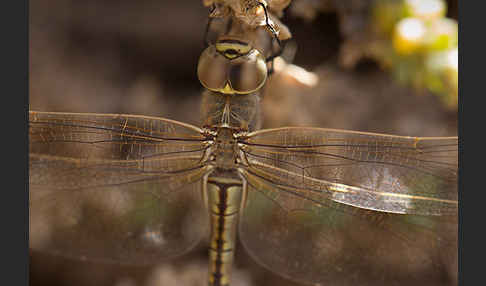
(379, 66)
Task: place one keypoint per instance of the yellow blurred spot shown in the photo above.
(443, 67)
(445, 60)
(426, 9)
(453, 59)
(409, 35)
(442, 34)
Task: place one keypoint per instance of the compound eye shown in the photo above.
(248, 73)
(232, 67)
(212, 69)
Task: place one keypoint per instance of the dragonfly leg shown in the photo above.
(206, 32)
(274, 38)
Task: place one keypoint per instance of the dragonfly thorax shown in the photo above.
(232, 66)
(225, 149)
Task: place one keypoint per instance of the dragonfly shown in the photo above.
(313, 205)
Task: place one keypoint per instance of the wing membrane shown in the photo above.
(338, 244)
(116, 188)
(367, 209)
(405, 175)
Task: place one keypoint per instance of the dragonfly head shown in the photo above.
(232, 66)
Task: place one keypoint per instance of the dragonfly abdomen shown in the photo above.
(224, 196)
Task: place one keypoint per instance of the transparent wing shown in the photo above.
(114, 188)
(371, 171)
(351, 208)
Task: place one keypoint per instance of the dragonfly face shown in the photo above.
(232, 66)
(314, 205)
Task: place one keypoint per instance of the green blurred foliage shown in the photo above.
(418, 44)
